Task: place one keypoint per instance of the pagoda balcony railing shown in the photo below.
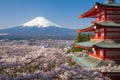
(96, 55)
(92, 37)
(95, 37)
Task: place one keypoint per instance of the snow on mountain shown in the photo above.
(40, 22)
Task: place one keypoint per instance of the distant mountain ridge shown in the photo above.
(38, 28)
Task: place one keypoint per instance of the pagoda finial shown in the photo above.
(110, 1)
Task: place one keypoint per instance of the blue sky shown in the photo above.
(62, 12)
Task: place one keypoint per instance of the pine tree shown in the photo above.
(88, 37)
(79, 37)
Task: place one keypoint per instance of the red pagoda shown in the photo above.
(105, 31)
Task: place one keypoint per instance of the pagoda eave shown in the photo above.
(99, 25)
(107, 24)
(85, 30)
(90, 14)
(116, 6)
(105, 44)
(88, 48)
(86, 44)
(97, 8)
(98, 47)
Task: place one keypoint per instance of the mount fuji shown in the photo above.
(38, 28)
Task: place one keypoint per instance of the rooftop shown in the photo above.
(108, 44)
(108, 24)
(91, 62)
(110, 3)
(94, 10)
(87, 44)
(100, 24)
(100, 44)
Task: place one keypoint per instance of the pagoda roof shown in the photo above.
(98, 7)
(100, 24)
(107, 24)
(112, 4)
(100, 44)
(89, 62)
(87, 44)
(86, 29)
(108, 44)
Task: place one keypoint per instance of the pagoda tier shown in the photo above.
(104, 12)
(104, 40)
(103, 30)
(102, 49)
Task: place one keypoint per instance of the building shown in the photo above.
(104, 42)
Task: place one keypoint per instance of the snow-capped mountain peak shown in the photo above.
(40, 22)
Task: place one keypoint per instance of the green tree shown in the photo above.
(79, 37)
(73, 49)
(88, 37)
